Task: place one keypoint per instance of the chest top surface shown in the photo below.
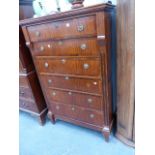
(71, 14)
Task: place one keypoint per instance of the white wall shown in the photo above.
(92, 2)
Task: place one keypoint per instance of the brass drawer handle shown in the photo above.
(66, 78)
(49, 46)
(69, 93)
(80, 28)
(46, 65)
(73, 109)
(41, 48)
(63, 61)
(95, 83)
(37, 33)
(85, 66)
(67, 24)
(57, 107)
(92, 115)
(90, 100)
(54, 93)
(83, 46)
(49, 81)
(28, 43)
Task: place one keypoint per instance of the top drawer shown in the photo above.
(39, 32)
(63, 29)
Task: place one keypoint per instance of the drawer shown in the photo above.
(65, 97)
(28, 105)
(25, 93)
(82, 100)
(83, 66)
(66, 82)
(69, 47)
(23, 81)
(81, 114)
(88, 101)
(38, 32)
(74, 27)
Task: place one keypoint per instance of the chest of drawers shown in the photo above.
(72, 55)
(31, 98)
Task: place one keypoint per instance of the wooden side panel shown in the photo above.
(25, 64)
(104, 40)
(125, 68)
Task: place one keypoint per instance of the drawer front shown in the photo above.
(82, 100)
(80, 84)
(23, 81)
(89, 101)
(74, 27)
(89, 67)
(65, 97)
(38, 32)
(71, 47)
(28, 105)
(26, 93)
(64, 82)
(78, 113)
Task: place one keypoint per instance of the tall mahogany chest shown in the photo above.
(72, 55)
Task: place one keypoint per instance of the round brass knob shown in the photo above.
(90, 100)
(92, 115)
(28, 43)
(37, 33)
(46, 64)
(63, 61)
(57, 107)
(86, 66)
(69, 93)
(49, 46)
(49, 81)
(73, 109)
(83, 46)
(67, 24)
(42, 48)
(95, 83)
(66, 78)
(54, 93)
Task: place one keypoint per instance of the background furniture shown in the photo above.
(25, 9)
(125, 71)
(72, 55)
(31, 99)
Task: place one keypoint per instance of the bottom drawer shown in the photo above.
(28, 105)
(82, 114)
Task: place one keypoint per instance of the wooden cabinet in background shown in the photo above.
(72, 55)
(31, 99)
(125, 71)
(25, 9)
